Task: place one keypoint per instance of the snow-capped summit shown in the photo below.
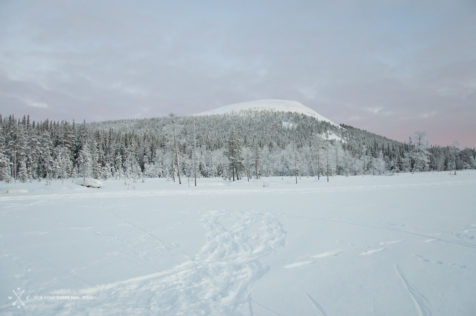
(268, 105)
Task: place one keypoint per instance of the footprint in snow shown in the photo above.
(216, 281)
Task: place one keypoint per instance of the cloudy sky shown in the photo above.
(391, 67)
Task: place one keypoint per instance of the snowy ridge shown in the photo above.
(268, 105)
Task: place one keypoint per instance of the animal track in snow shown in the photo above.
(439, 262)
(468, 234)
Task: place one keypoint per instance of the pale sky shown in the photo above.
(390, 67)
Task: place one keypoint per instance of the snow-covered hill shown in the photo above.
(269, 105)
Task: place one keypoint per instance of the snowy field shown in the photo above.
(364, 245)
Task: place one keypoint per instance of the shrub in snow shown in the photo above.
(91, 183)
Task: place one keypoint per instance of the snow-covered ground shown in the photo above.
(365, 245)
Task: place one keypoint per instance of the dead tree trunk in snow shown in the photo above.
(295, 162)
(194, 154)
(176, 150)
(327, 161)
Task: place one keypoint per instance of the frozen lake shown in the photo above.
(363, 245)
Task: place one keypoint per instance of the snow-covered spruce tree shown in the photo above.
(118, 163)
(4, 168)
(248, 162)
(4, 162)
(84, 162)
(46, 158)
(21, 155)
(34, 154)
(95, 163)
(453, 157)
(194, 153)
(316, 144)
(377, 164)
(233, 154)
(132, 168)
(295, 162)
(257, 159)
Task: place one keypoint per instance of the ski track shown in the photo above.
(250, 306)
(216, 281)
(298, 264)
(420, 301)
(327, 254)
(313, 259)
(266, 308)
(372, 251)
(316, 305)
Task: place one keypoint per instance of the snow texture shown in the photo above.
(364, 245)
(270, 105)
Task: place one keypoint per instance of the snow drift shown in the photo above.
(91, 183)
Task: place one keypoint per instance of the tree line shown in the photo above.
(229, 146)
